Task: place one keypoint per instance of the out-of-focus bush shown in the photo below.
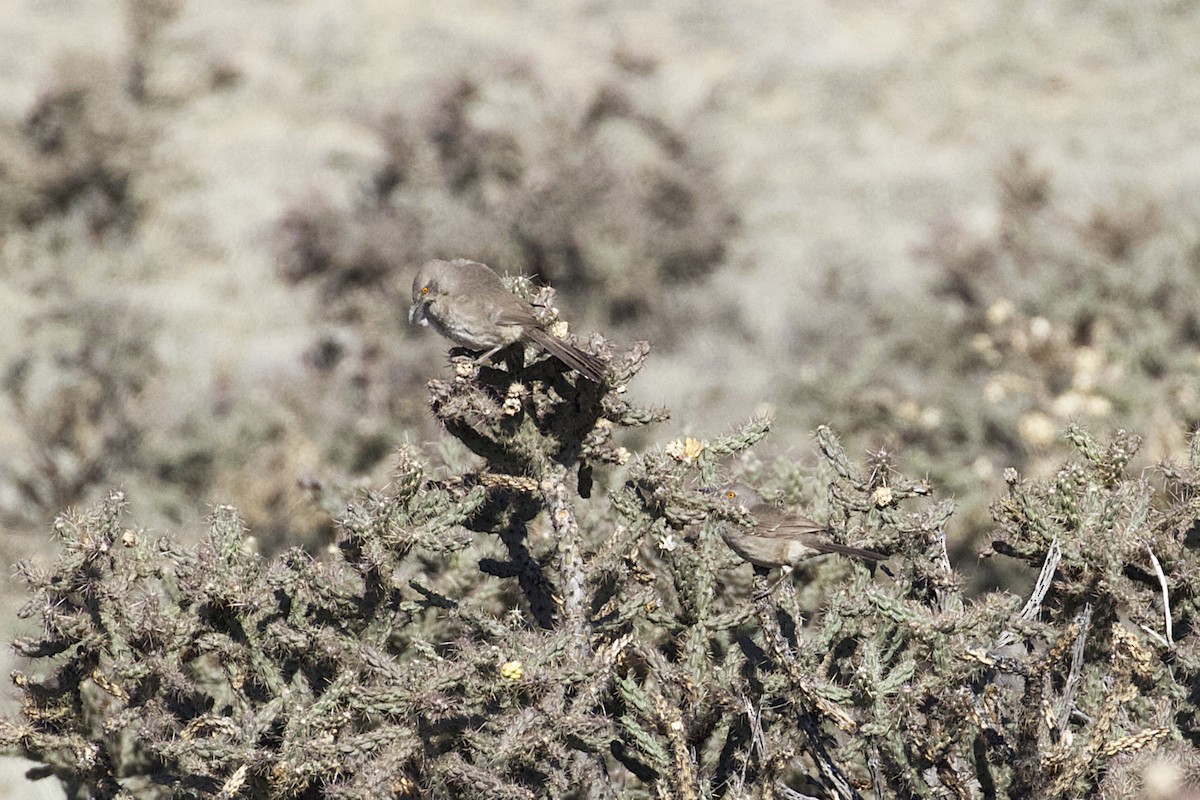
(601, 195)
(77, 401)
(76, 378)
(1046, 318)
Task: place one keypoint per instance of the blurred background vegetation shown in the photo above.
(948, 229)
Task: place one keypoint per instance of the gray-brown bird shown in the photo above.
(780, 539)
(466, 302)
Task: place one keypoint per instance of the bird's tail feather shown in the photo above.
(847, 550)
(585, 364)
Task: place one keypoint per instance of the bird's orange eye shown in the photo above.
(424, 290)
(731, 494)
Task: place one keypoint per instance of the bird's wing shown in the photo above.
(516, 312)
(774, 524)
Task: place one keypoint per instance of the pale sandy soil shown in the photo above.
(843, 129)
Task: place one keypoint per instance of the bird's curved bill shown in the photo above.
(418, 313)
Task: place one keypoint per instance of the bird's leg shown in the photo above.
(485, 356)
(474, 356)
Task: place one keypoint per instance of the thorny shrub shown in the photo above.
(563, 619)
(76, 396)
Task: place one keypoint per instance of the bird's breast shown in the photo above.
(469, 326)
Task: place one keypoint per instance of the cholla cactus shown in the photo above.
(564, 620)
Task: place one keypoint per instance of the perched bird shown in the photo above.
(466, 302)
(780, 539)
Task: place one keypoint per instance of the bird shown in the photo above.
(469, 304)
(779, 539)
